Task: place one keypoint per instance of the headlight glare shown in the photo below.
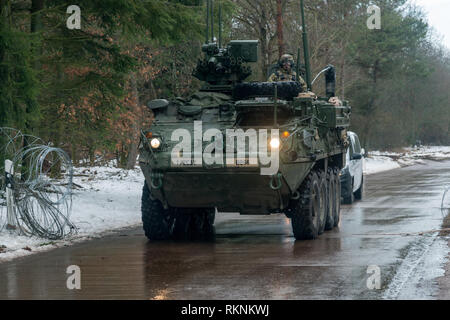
(275, 143)
(155, 143)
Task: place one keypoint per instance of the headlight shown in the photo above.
(275, 143)
(155, 143)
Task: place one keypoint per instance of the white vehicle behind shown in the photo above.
(352, 178)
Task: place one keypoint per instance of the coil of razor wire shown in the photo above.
(42, 186)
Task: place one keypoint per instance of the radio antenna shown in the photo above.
(207, 21)
(212, 20)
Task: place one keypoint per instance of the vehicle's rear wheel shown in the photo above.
(331, 179)
(324, 199)
(337, 199)
(155, 218)
(305, 211)
(208, 230)
(349, 197)
(359, 192)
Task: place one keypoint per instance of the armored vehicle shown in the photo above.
(248, 147)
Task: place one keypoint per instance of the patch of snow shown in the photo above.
(416, 276)
(379, 164)
(379, 161)
(104, 199)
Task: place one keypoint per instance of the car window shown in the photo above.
(352, 145)
(357, 147)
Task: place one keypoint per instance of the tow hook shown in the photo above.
(295, 195)
(156, 180)
(278, 182)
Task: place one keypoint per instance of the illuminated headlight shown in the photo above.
(275, 143)
(155, 143)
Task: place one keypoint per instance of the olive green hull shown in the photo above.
(247, 192)
(242, 190)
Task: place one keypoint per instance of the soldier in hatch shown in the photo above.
(285, 72)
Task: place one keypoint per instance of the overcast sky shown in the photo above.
(438, 12)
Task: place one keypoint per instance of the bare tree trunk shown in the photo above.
(35, 26)
(371, 106)
(36, 21)
(91, 155)
(264, 54)
(342, 78)
(281, 49)
(75, 158)
(136, 126)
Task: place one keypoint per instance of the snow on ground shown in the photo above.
(378, 161)
(375, 164)
(107, 198)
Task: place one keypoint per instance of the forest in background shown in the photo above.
(86, 90)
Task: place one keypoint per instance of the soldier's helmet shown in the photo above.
(286, 58)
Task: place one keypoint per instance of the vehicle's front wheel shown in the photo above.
(194, 224)
(155, 218)
(305, 212)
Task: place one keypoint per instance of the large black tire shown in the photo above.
(194, 224)
(155, 219)
(324, 198)
(359, 192)
(208, 230)
(337, 199)
(203, 224)
(286, 90)
(182, 225)
(331, 180)
(349, 198)
(305, 211)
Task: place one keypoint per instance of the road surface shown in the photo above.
(257, 257)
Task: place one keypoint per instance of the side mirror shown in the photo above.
(357, 156)
(363, 152)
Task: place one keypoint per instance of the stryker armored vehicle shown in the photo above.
(247, 147)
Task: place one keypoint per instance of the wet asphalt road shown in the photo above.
(256, 257)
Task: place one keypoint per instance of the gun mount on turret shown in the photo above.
(222, 68)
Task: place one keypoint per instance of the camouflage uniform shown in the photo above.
(283, 75)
